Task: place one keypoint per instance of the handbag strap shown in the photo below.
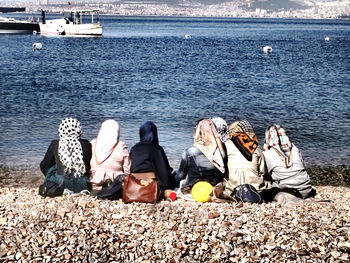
(146, 175)
(99, 163)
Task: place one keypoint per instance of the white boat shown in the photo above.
(72, 24)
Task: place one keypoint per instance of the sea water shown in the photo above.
(143, 68)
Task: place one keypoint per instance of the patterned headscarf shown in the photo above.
(69, 147)
(243, 136)
(106, 140)
(221, 127)
(275, 137)
(207, 140)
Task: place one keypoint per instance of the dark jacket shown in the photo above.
(195, 167)
(148, 156)
(51, 157)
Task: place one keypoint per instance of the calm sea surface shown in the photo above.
(143, 69)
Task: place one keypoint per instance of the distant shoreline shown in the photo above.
(194, 17)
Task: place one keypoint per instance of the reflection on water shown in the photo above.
(143, 69)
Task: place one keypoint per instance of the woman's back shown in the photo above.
(284, 162)
(148, 156)
(197, 167)
(144, 156)
(52, 158)
(110, 156)
(204, 161)
(241, 170)
(245, 160)
(66, 164)
(294, 176)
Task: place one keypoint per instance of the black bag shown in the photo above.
(51, 186)
(113, 191)
(50, 189)
(246, 193)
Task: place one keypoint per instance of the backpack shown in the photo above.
(246, 193)
(50, 189)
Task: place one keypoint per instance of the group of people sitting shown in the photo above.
(224, 156)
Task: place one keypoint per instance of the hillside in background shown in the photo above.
(207, 8)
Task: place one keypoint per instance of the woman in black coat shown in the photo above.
(67, 160)
(148, 156)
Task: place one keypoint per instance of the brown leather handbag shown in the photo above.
(140, 190)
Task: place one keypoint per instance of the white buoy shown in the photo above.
(326, 38)
(34, 32)
(267, 49)
(37, 46)
(187, 36)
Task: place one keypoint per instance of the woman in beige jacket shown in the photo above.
(245, 160)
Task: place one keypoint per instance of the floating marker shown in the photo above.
(326, 38)
(37, 46)
(187, 36)
(267, 49)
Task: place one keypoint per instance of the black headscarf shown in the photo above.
(148, 133)
(149, 156)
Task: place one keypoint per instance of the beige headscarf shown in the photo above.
(207, 140)
(106, 140)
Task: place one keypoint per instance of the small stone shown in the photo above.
(179, 245)
(18, 255)
(213, 215)
(77, 220)
(204, 246)
(335, 254)
(67, 256)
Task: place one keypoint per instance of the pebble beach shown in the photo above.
(85, 229)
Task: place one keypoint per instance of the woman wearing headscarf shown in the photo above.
(148, 157)
(67, 160)
(285, 163)
(110, 156)
(221, 127)
(245, 160)
(204, 161)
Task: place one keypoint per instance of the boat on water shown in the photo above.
(73, 23)
(14, 26)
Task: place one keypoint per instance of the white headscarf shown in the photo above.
(69, 147)
(106, 140)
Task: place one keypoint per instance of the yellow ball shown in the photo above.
(201, 191)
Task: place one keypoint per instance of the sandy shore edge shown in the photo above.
(338, 175)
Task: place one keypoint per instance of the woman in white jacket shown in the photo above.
(285, 163)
